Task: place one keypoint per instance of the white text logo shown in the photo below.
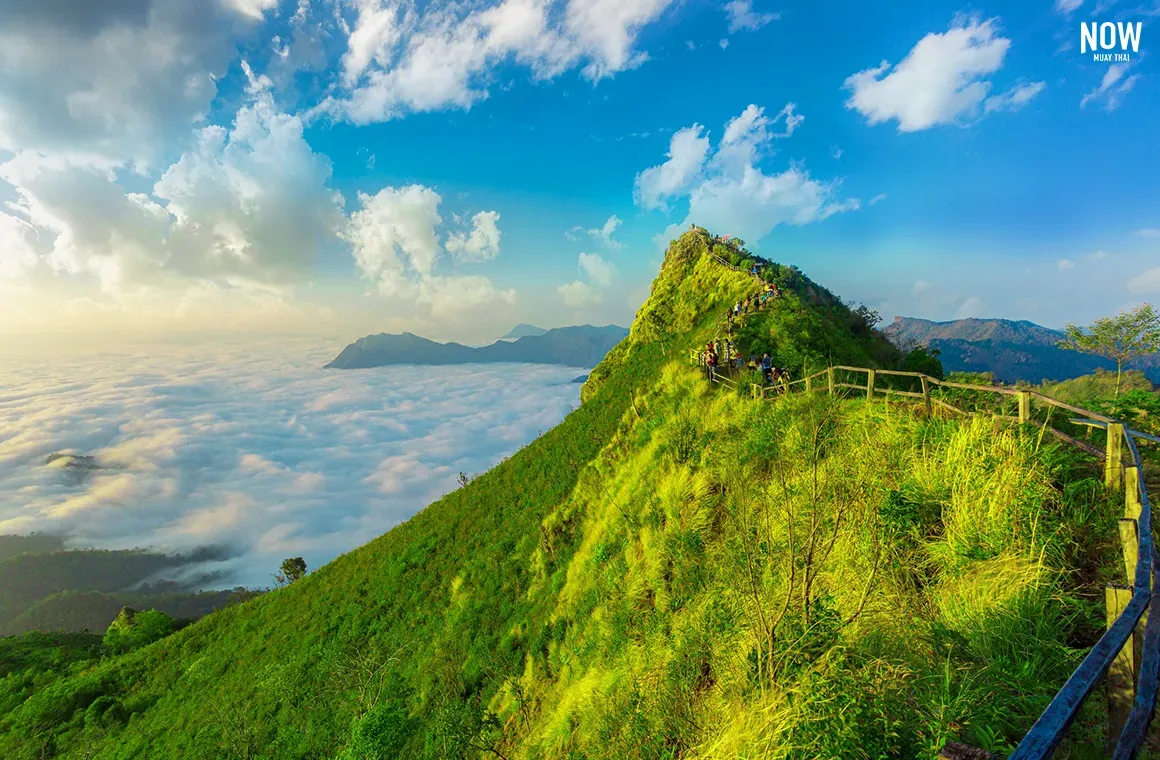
(1097, 37)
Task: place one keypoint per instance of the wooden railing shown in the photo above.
(1128, 653)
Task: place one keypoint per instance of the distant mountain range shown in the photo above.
(1013, 350)
(522, 331)
(582, 346)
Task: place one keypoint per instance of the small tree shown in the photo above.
(1121, 338)
(293, 569)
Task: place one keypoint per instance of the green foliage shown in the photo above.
(672, 572)
(133, 630)
(924, 360)
(1131, 333)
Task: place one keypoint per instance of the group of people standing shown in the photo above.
(721, 357)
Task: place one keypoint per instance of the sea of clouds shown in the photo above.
(252, 446)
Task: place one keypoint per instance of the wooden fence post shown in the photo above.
(1132, 492)
(870, 383)
(926, 395)
(1113, 464)
(830, 379)
(1121, 684)
(809, 387)
(1130, 540)
(753, 387)
(1024, 405)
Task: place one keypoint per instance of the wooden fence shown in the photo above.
(1128, 653)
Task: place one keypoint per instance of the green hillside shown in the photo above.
(1097, 386)
(45, 587)
(674, 571)
(94, 611)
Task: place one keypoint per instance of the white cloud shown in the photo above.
(1067, 6)
(742, 17)
(688, 149)
(596, 274)
(1015, 98)
(1097, 256)
(399, 61)
(248, 207)
(877, 199)
(724, 43)
(942, 80)
(113, 81)
(597, 269)
(1066, 264)
(921, 286)
(971, 307)
(1112, 88)
(727, 191)
(1145, 282)
(322, 461)
(604, 233)
(578, 295)
(573, 233)
(836, 152)
(1149, 232)
(396, 246)
(481, 244)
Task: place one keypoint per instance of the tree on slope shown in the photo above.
(1129, 334)
(293, 568)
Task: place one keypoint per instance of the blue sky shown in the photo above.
(350, 166)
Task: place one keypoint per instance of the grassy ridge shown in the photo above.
(672, 572)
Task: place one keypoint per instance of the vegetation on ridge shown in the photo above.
(672, 572)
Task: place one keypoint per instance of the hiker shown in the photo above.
(711, 363)
(767, 368)
(753, 362)
(738, 361)
(736, 308)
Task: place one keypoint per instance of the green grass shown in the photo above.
(671, 572)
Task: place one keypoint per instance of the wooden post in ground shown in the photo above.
(926, 395)
(754, 389)
(1130, 541)
(1132, 492)
(1113, 464)
(809, 387)
(1130, 547)
(1121, 682)
(870, 383)
(830, 380)
(1024, 405)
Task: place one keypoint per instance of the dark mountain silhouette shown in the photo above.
(1013, 350)
(523, 330)
(582, 346)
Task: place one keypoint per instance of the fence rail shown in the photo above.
(1128, 653)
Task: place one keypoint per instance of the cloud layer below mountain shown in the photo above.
(253, 446)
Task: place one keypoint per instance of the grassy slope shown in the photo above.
(268, 663)
(588, 597)
(1101, 384)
